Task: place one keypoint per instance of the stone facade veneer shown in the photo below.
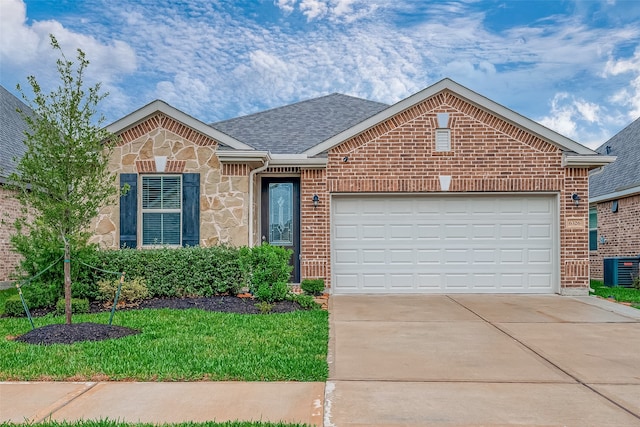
(223, 198)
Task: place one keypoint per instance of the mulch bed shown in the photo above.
(76, 332)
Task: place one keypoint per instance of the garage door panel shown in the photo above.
(428, 231)
(498, 243)
(539, 231)
(346, 256)
(372, 281)
(511, 231)
(345, 232)
(373, 256)
(539, 256)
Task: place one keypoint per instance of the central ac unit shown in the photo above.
(620, 271)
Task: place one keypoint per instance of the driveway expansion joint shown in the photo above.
(537, 353)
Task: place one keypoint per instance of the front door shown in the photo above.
(281, 217)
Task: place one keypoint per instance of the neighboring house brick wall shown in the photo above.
(223, 198)
(487, 155)
(621, 231)
(10, 211)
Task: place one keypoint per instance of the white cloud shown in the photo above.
(313, 9)
(286, 5)
(345, 11)
(629, 96)
(214, 60)
(25, 50)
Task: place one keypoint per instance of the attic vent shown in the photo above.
(443, 139)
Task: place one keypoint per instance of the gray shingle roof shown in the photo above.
(12, 128)
(294, 128)
(625, 171)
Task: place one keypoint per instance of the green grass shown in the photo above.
(617, 292)
(107, 423)
(176, 345)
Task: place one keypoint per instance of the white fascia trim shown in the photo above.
(545, 133)
(616, 195)
(195, 124)
(597, 160)
(300, 160)
(240, 156)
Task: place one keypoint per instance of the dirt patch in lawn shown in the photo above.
(77, 332)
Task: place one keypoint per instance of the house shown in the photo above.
(614, 201)
(445, 191)
(12, 128)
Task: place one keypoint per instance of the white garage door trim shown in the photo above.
(445, 243)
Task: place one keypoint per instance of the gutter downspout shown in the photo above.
(265, 164)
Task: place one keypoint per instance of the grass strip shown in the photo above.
(618, 293)
(108, 423)
(176, 345)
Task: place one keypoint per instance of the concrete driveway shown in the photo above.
(490, 360)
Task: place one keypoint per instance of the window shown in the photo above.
(161, 210)
(593, 228)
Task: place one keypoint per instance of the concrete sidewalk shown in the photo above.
(162, 402)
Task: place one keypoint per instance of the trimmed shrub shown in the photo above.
(269, 271)
(132, 291)
(178, 272)
(40, 295)
(306, 301)
(13, 307)
(312, 286)
(78, 305)
(40, 250)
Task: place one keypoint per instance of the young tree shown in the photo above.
(63, 178)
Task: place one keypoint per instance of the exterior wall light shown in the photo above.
(316, 200)
(575, 198)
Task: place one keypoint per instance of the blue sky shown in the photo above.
(573, 66)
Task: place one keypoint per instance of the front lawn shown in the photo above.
(176, 345)
(619, 293)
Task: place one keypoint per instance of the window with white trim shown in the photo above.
(161, 210)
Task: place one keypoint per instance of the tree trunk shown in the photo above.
(67, 281)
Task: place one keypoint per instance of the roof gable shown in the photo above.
(12, 131)
(294, 128)
(474, 100)
(624, 173)
(135, 123)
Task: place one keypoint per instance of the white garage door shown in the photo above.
(454, 243)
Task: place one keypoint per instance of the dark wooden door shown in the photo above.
(281, 217)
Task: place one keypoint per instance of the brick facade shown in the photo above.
(487, 155)
(621, 231)
(10, 211)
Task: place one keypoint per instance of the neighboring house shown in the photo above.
(614, 201)
(445, 191)
(12, 128)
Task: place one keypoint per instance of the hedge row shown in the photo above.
(173, 272)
